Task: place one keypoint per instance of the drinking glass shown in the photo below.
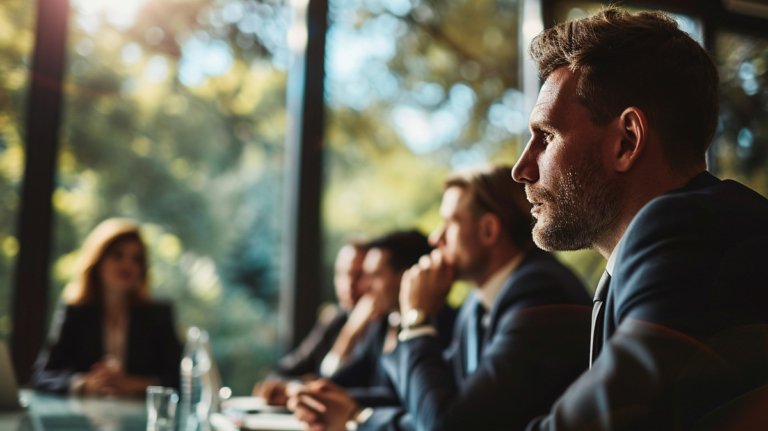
(161, 408)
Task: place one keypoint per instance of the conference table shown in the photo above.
(48, 412)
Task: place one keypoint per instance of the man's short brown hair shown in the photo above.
(642, 60)
(493, 190)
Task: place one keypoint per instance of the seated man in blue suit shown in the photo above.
(353, 361)
(304, 361)
(519, 340)
(616, 162)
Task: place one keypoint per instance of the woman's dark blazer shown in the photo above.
(76, 342)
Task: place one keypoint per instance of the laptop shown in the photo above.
(9, 390)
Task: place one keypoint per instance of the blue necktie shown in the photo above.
(474, 337)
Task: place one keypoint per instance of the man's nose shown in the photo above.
(526, 169)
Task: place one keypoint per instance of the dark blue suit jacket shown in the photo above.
(76, 342)
(684, 328)
(535, 344)
(364, 377)
(308, 356)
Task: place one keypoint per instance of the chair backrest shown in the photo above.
(9, 390)
(747, 412)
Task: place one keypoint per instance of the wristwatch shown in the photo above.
(359, 417)
(414, 318)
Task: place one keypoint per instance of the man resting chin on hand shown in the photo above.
(519, 340)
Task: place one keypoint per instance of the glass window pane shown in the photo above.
(175, 116)
(740, 148)
(16, 45)
(413, 92)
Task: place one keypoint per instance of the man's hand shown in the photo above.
(426, 285)
(367, 309)
(322, 406)
(272, 390)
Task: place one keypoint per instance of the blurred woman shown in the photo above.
(109, 338)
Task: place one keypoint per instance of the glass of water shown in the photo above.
(161, 408)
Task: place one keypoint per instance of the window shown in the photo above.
(16, 45)
(414, 90)
(174, 115)
(740, 149)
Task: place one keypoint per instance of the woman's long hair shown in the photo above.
(86, 287)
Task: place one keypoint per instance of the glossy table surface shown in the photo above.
(48, 412)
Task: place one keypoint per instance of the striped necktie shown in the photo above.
(598, 317)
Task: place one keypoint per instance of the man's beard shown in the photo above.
(580, 211)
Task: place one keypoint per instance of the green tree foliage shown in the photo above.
(415, 90)
(741, 144)
(16, 42)
(175, 116)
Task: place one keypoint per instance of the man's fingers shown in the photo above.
(437, 256)
(425, 262)
(323, 384)
(293, 389)
(305, 415)
(312, 403)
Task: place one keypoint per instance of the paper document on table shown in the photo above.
(271, 422)
(251, 404)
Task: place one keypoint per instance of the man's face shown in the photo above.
(380, 279)
(349, 267)
(458, 236)
(565, 170)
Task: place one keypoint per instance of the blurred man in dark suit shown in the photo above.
(353, 362)
(305, 360)
(519, 339)
(616, 162)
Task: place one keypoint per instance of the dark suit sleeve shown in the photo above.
(388, 419)
(55, 366)
(308, 356)
(521, 371)
(363, 376)
(168, 371)
(670, 359)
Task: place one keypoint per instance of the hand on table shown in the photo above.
(426, 285)
(272, 390)
(322, 405)
(107, 379)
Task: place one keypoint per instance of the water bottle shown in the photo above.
(200, 383)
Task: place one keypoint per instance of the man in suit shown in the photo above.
(616, 162)
(356, 354)
(518, 341)
(307, 357)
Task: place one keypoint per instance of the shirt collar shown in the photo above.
(612, 258)
(489, 291)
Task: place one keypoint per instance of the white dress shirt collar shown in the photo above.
(612, 258)
(490, 290)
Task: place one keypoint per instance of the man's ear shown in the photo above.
(633, 132)
(490, 228)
